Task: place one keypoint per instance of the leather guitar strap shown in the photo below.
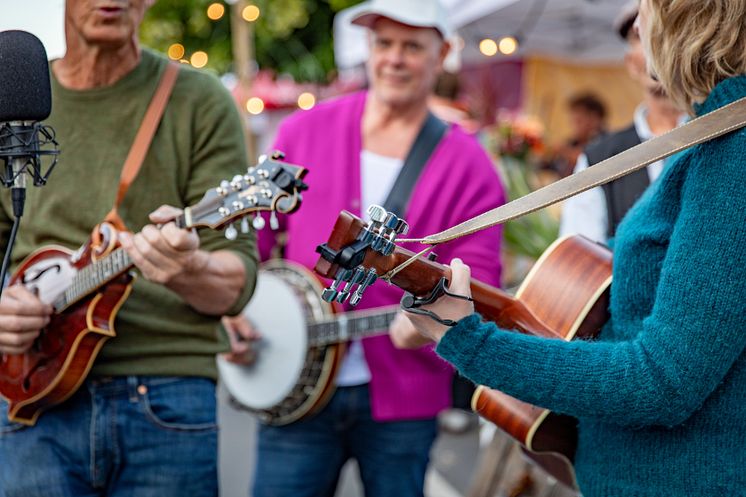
(427, 139)
(717, 123)
(143, 139)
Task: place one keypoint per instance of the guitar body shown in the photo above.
(568, 291)
(290, 379)
(57, 363)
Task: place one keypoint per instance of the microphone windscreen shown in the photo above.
(25, 93)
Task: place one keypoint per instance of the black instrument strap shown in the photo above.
(428, 138)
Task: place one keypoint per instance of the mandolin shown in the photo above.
(564, 297)
(88, 286)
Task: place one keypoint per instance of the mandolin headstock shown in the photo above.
(271, 185)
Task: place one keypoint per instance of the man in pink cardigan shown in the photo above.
(383, 411)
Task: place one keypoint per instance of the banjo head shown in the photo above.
(280, 314)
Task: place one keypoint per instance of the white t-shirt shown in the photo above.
(377, 176)
(586, 213)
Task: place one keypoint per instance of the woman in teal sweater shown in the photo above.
(661, 395)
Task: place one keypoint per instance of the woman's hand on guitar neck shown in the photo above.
(445, 307)
(22, 316)
(404, 335)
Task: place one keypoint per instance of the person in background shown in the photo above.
(588, 122)
(144, 422)
(660, 396)
(383, 412)
(596, 213)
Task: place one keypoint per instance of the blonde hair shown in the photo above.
(696, 44)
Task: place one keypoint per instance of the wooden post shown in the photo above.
(242, 39)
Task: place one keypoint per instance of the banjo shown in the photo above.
(303, 344)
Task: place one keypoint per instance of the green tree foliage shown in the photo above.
(291, 36)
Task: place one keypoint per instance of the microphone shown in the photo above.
(25, 99)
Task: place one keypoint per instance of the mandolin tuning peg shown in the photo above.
(258, 222)
(230, 232)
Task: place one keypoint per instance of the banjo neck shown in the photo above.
(349, 326)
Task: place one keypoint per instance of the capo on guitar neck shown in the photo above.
(410, 303)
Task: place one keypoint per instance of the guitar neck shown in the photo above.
(420, 277)
(349, 326)
(98, 273)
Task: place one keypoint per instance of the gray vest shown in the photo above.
(621, 194)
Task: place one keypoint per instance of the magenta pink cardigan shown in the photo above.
(458, 182)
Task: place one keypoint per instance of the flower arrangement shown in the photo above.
(517, 136)
(516, 143)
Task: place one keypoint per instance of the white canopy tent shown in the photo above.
(578, 30)
(43, 18)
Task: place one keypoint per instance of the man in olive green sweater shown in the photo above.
(144, 421)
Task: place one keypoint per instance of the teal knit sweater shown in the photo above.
(661, 395)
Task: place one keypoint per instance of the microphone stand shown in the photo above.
(20, 144)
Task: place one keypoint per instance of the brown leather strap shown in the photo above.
(717, 123)
(143, 139)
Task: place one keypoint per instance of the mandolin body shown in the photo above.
(58, 362)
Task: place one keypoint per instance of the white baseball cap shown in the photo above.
(417, 13)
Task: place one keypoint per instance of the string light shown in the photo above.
(199, 59)
(215, 11)
(508, 45)
(306, 101)
(176, 51)
(255, 105)
(488, 47)
(251, 13)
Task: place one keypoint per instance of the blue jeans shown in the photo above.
(303, 459)
(119, 437)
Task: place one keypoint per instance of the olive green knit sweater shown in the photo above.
(199, 143)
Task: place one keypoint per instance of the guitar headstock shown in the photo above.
(358, 253)
(270, 185)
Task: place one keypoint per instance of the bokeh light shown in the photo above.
(215, 11)
(176, 51)
(250, 13)
(198, 59)
(508, 45)
(255, 105)
(306, 100)
(488, 47)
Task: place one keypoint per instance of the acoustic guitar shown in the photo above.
(87, 287)
(303, 343)
(564, 297)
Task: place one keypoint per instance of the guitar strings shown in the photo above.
(394, 271)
